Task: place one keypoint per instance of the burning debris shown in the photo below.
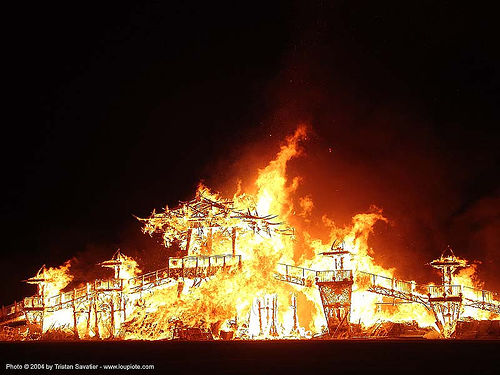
(242, 275)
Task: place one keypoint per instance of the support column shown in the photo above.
(89, 313)
(124, 303)
(188, 240)
(260, 316)
(96, 322)
(336, 300)
(295, 317)
(447, 312)
(233, 237)
(112, 310)
(273, 331)
(75, 319)
(210, 239)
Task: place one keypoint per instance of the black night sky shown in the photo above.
(113, 110)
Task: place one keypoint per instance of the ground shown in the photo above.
(269, 357)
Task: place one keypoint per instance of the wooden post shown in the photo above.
(96, 323)
(90, 309)
(267, 308)
(260, 316)
(112, 310)
(122, 300)
(273, 330)
(209, 240)
(188, 243)
(75, 326)
(234, 241)
(295, 319)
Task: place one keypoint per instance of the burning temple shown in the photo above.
(115, 307)
(244, 273)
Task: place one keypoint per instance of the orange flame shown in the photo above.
(250, 302)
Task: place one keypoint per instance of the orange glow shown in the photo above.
(245, 299)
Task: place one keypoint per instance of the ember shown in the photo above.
(243, 276)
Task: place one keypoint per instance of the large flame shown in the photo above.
(57, 278)
(250, 302)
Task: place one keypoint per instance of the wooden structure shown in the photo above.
(197, 222)
(100, 307)
(334, 286)
(445, 301)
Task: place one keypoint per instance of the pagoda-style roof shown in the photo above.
(337, 248)
(448, 259)
(39, 278)
(116, 260)
(202, 215)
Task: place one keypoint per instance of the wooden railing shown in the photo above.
(206, 266)
(389, 283)
(186, 267)
(308, 277)
(9, 312)
(202, 266)
(425, 294)
(333, 276)
(482, 299)
(296, 275)
(444, 291)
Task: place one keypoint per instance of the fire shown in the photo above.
(273, 195)
(50, 281)
(233, 249)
